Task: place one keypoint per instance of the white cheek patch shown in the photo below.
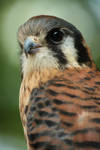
(70, 52)
(43, 59)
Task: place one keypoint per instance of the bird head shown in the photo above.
(50, 42)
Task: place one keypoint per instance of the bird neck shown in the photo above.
(37, 77)
(34, 80)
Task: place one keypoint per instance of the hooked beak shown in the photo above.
(30, 46)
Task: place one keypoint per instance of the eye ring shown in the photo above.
(55, 35)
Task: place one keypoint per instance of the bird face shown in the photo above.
(51, 42)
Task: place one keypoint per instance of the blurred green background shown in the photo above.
(84, 14)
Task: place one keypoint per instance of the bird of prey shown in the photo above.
(60, 88)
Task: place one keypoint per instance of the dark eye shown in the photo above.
(55, 35)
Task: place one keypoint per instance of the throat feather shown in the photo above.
(31, 81)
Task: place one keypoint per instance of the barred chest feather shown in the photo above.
(31, 81)
(71, 98)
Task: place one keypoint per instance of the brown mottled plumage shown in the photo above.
(60, 89)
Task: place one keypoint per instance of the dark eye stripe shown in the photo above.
(54, 39)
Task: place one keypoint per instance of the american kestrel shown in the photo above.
(60, 89)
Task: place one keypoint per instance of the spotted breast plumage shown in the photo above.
(60, 89)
